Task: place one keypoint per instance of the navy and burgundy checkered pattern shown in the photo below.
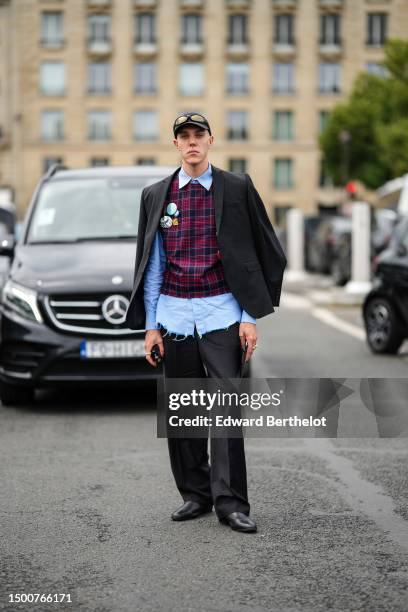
(194, 267)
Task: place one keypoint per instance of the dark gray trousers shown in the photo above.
(216, 354)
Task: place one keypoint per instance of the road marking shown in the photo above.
(334, 321)
(294, 301)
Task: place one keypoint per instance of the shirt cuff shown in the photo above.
(151, 321)
(246, 318)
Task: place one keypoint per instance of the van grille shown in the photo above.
(89, 313)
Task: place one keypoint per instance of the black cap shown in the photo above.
(190, 119)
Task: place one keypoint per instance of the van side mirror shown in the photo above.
(7, 245)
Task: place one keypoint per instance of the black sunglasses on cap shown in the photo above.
(191, 119)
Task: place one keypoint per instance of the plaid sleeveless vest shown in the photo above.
(194, 268)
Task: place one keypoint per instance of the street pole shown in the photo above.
(295, 245)
(360, 250)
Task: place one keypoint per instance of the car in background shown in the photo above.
(325, 240)
(382, 224)
(385, 308)
(311, 224)
(63, 307)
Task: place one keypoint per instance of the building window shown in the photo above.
(329, 77)
(237, 77)
(377, 28)
(283, 125)
(52, 78)
(99, 77)
(377, 69)
(330, 29)
(98, 162)
(324, 179)
(52, 29)
(284, 24)
(283, 78)
(99, 28)
(145, 161)
(145, 28)
(52, 125)
(237, 125)
(191, 28)
(237, 30)
(51, 161)
(145, 77)
(237, 165)
(324, 116)
(283, 173)
(99, 125)
(191, 78)
(145, 125)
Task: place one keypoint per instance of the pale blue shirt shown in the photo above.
(181, 315)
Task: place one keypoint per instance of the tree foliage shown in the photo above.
(374, 124)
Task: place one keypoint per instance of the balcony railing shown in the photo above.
(237, 49)
(147, 48)
(331, 3)
(285, 3)
(284, 48)
(102, 46)
(238, 4)
(191, 49)
(330, 48)
(191, 3)
(145, 3)
(98, 3)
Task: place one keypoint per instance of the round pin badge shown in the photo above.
(166, 222)
(171, 208)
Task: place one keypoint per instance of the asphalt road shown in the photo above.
(87, 493)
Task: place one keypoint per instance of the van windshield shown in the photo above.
(86, 209)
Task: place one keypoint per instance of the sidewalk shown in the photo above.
(320, 290)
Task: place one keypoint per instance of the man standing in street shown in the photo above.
(208, 263)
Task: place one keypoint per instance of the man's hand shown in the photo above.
(153, 336)
(247, 335)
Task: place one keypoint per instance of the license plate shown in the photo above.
(90, 349)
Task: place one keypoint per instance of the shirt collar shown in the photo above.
(205, 179)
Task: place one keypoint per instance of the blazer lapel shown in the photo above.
(218, 190)
(157, 208)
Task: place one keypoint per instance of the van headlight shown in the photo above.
(22, 300)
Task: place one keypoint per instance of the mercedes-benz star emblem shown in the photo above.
(114, 309)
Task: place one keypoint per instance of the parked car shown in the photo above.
(63, 306)
(324, 241)
(311, 224)
(382, 223)
(385, 308)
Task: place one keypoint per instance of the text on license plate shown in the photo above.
(90, 349)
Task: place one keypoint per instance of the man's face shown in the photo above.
(193, 144)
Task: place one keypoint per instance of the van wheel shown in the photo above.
(382, 325)
(11, 395)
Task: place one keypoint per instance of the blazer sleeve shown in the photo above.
(268, 248)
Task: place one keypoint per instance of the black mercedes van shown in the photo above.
(63, 305)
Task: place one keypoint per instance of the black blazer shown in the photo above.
(251, 254)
